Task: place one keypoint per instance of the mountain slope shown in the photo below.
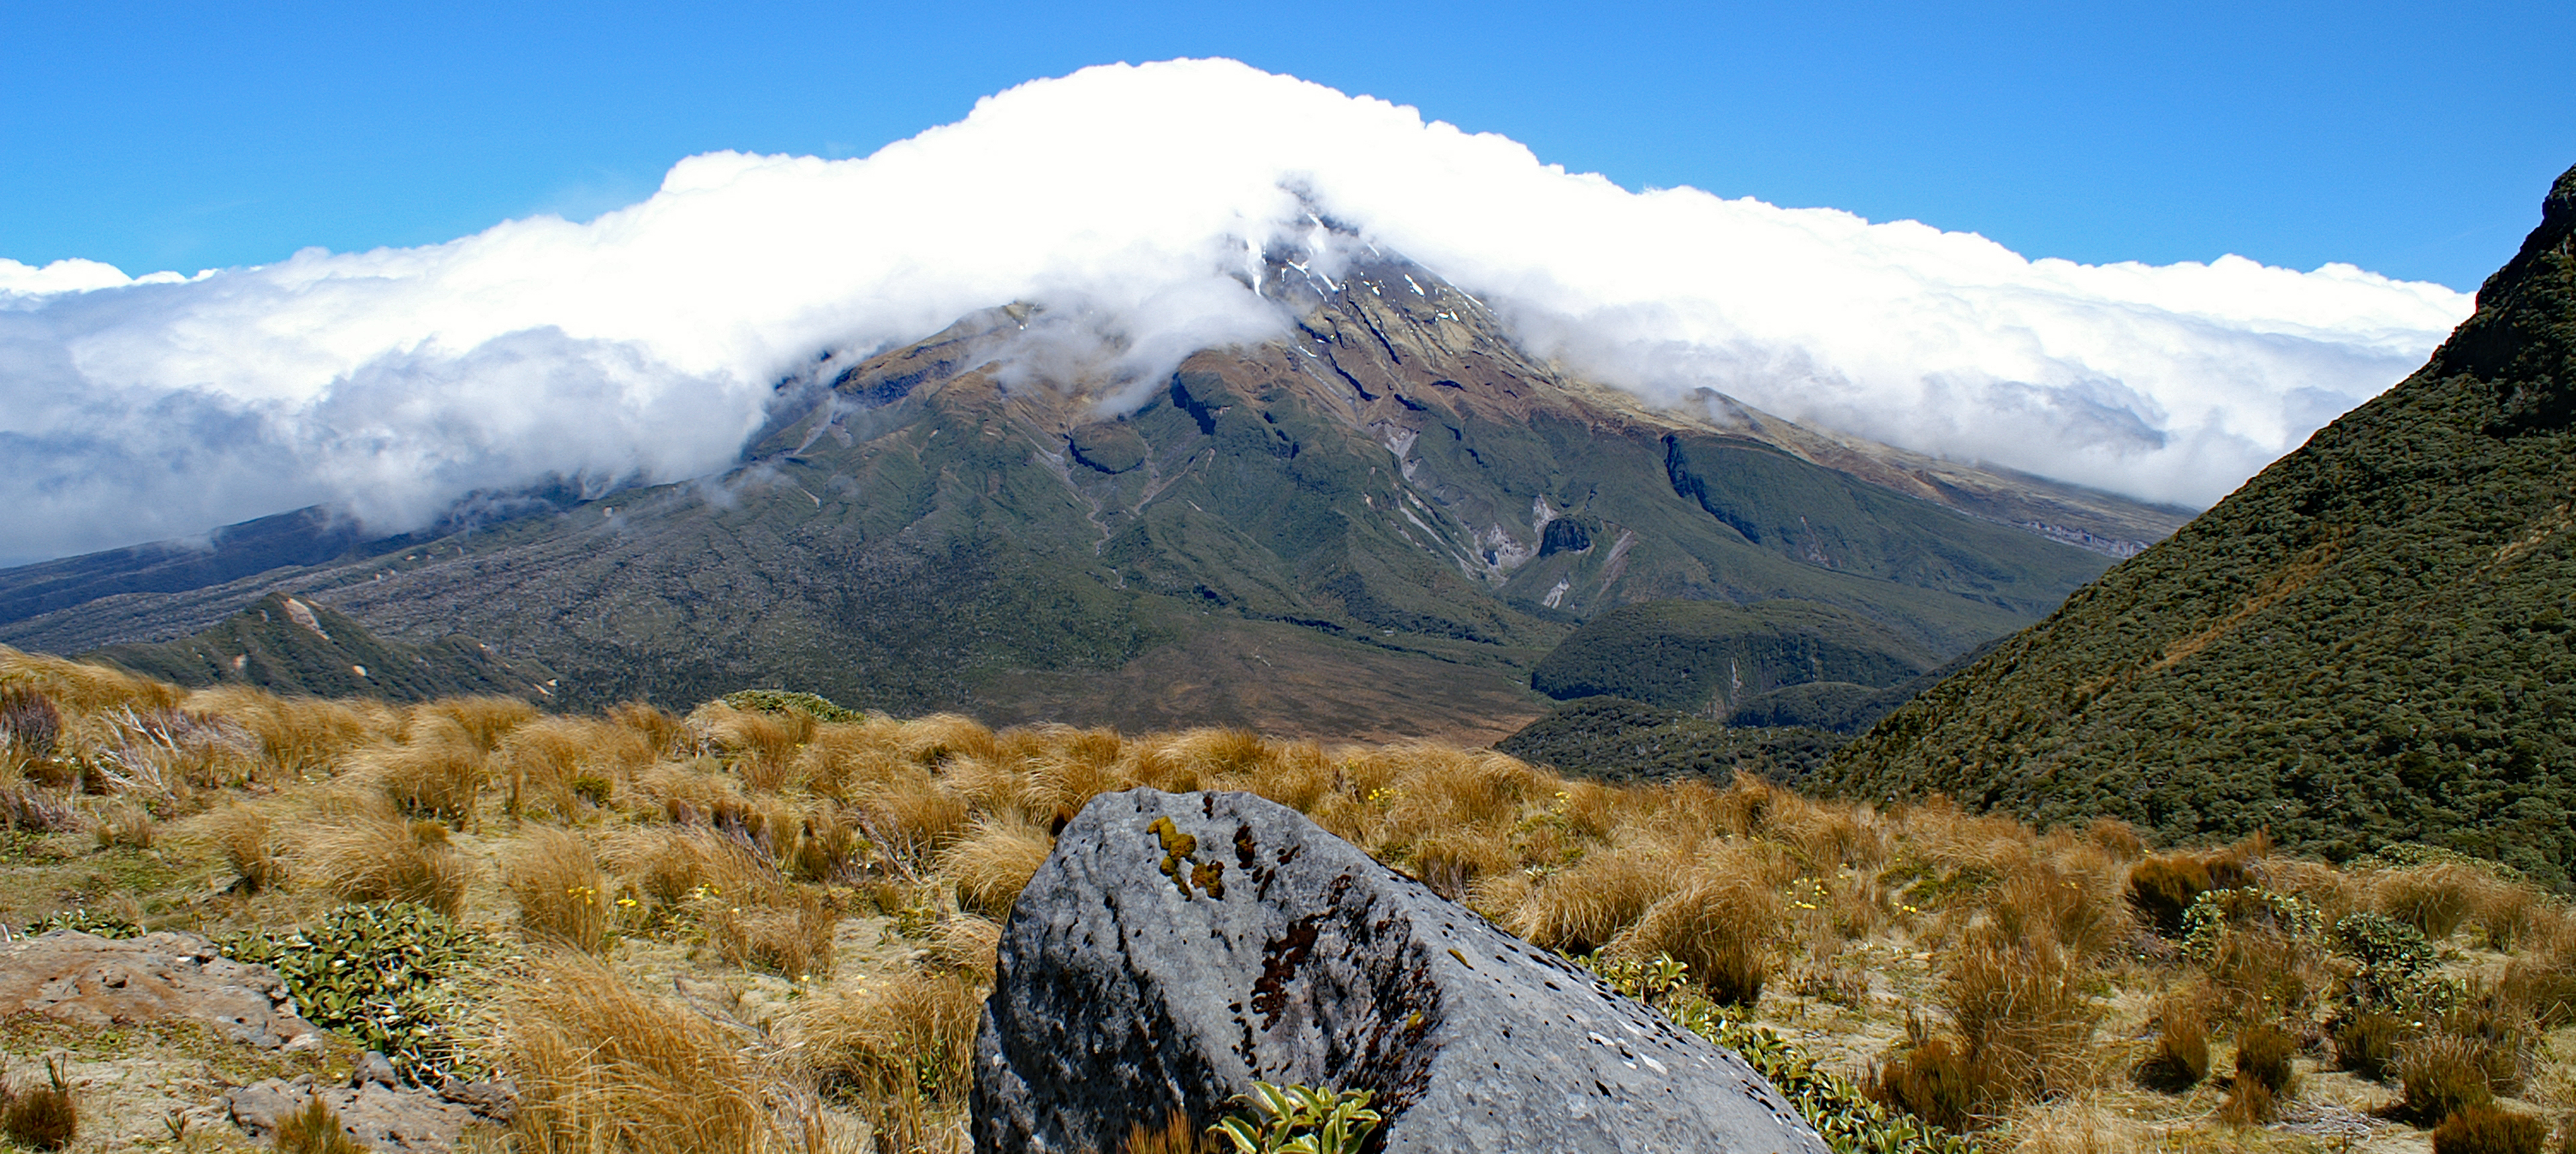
(287, 644)
(2372, 641)
(1374, 526)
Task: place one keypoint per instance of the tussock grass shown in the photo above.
(2436, 897)
(603, 1067)
(563, 897)
(913, 1033)
(759, 747)
(249, 839)
(1723, 921)
(565, 767)
(993, 861)
(2023, 1010)
(298, 737)
(438, 773)
(82, 687)
(486, 719)
(642, 853)
(383, 859)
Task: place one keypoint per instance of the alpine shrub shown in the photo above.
(381, 972)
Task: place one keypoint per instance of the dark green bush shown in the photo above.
(819, 707)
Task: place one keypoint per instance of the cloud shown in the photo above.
(1131, 202)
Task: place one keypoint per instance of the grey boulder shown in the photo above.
(375, 1108)
(94, 981)
(1175, 947)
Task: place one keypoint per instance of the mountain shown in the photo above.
(2371, 641)
(284, 643)
(1374, 526)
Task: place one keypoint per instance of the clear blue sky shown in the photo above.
(2412, 139)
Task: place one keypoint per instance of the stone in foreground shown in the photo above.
(1175, 947)
(93, 981)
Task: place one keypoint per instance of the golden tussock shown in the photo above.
(381, 859)
(563, 897)
(602, 1067)
(993, 861)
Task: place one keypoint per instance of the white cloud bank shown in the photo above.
(643, 344)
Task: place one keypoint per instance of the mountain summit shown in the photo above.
(1374, 525)
(2372, 641)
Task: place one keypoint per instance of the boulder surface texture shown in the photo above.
(94, 981)
(1175, 947)
(375, 1109)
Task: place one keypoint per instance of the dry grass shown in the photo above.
(249, 839)
(563, 896)
(913, 1032)
(439, 773)
(602, 1067)
(2023, 1008)
(1582, 908)
(383, 859)
(760, 748)
(699, 856)
(790, 934)
(993, 862)
(2435, 898)
(1724, 921)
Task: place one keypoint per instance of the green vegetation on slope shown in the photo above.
(1711, 656)
(1612, 739)
(289, 645)
(2372, 641)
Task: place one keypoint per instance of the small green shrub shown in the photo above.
(85, 921)
(2394, 966)
(814, 705)
(1300, 1120)
(381, 972)
(2488, 1130)
(2215, 914)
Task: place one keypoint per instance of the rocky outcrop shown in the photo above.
(1175, 947)
(375, 1108)
(95, 981)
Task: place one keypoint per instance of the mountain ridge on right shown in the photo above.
(2372, 641)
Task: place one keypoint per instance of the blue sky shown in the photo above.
(2411, 139)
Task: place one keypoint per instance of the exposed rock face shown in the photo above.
(95, 981)
(1177, 946)
(375, 1108)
